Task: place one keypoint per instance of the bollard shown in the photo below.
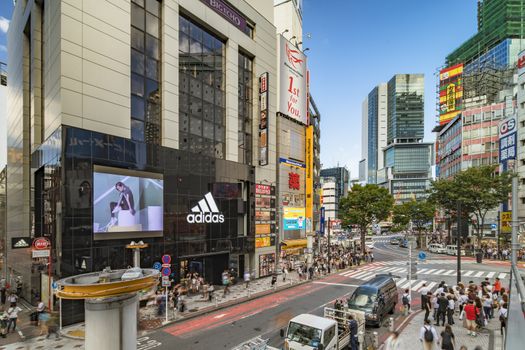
(361, 338)
(216, 301)
(391, 325)
(376, 340)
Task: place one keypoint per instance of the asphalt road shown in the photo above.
(265, 316)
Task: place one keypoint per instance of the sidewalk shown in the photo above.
(489, 338)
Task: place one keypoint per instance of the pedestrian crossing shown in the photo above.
(368, 272)
(428, 261)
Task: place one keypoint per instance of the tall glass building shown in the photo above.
(377, 130)
(405, 108)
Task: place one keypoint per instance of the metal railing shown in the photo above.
(514, 335)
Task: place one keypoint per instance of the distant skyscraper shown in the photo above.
(341, 176)
(363, 163)
(405, 108)
(377, 103)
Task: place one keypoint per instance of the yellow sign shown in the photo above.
(310, 173)
(261, 242)
(506, 222)
(262, 229)
(293, 212)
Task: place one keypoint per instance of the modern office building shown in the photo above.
(405, 108)
(363, 163)
(377, 130)
(448, 149)
(341, 175)
(330, 199)
(498, 20)
(157, 101)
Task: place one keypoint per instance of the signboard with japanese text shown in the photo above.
(506, 222)
(310, 172)
(293, 218)
(263, 119)
(450, 93)
(507, 139)
(292, 70)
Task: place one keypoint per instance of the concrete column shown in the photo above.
(111, 323)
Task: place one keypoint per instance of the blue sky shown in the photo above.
(356, 44)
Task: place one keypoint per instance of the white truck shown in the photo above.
(331, 332)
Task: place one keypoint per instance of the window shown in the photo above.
(201, 90)
(329, 335)
(145, 71)
(245, 100)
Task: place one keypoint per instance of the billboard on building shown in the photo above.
(263, 119)
(293, 218)
(507, 140)
(521, 63)
(292, 92)
(125, 202)
(310, 173)
(450, 93)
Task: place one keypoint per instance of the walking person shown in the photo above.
(247, 278)
(12, 299)
(448, 340)
(406, 299)
(428, 336)
(12, 313)
(426, 304)
(352, 326)
(442, 309)
(392, 342)
(52, 326)
(471, 314)
(503, 318)
(285, 274)
(450, 310)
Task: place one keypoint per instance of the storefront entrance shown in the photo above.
(209, 267)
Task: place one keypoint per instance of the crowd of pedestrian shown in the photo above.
(474, 305)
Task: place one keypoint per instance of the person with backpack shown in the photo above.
(503, 317)
(448, 340)
(428, 336)
(406, 299)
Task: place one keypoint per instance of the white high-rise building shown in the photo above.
(375, 106)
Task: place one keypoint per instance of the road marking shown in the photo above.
(468, 273)
(220, 316)
(336, 284)
(430, 271)
(407, 283)
(359, 275)
(367, 278)
(431, 285)
(399, 269)
(417, 286)
(479, 274)
(422, 271)
(439, 272)
(402, 280)
(502, 275)
(490, 274)
(448, 273)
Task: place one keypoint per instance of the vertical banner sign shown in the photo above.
(450, 93)
(321, 222)
(507, 140)
(292, 82)
(263, 119)
(521, 63)
(309, 172)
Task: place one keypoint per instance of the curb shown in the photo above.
(402, 326)
(211, 309)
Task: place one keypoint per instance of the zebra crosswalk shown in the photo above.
(368, 272)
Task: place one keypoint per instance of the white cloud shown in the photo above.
(4, 24)
(3, 48)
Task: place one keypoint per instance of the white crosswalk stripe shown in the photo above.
(479, 274)
(490, 274)
(468, 273)
(418, 285)
(449, 272)
(502, 275)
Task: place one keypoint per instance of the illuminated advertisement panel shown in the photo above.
(450, 93)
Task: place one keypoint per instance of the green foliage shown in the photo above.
(478, 189)
(363, 205)
(420, 213)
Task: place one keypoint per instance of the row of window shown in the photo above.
(201, 85)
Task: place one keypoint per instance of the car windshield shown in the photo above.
(303, 334)
(363, 298)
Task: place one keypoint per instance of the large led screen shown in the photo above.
(127, 203)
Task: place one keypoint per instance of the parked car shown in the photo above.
(403, 243)
(437, 248)
(394, 241)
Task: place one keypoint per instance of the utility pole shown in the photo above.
(515, 223)
(329, 250)
(458, 279)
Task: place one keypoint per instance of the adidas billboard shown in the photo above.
(205, 212)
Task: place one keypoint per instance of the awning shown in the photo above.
(294, 243)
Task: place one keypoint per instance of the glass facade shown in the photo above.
(64, 179)
(202, 117)
(373, 112)
(245, 100)
(145, 71)
(405, 108)
(412, 158)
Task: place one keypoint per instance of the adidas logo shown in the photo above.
(205, 212)
(21, 244)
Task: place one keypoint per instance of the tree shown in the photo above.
(363, 205)
(480, 189)
(420, 213)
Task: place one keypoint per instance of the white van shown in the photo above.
(453, 249)
(437, 248)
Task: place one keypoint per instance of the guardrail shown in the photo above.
(514, 336)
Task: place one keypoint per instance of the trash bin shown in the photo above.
(479, 257)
